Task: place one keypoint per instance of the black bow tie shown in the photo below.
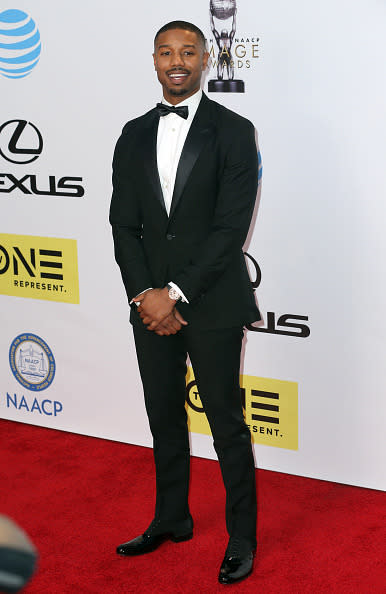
(164, 110)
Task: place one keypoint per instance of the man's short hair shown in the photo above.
(184, 25)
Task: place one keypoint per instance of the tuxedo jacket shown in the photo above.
(199, 245)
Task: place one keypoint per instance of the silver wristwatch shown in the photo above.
(173, 294)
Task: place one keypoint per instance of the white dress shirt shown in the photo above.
(171, 136)
(172, 133)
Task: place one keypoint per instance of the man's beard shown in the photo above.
(178, 92)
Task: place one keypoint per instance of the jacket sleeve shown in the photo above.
(234, 208)
(126, 221)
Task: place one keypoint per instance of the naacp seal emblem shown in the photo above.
(32, 362)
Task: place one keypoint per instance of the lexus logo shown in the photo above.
(285, 324)
(20, 142)
(256, 282)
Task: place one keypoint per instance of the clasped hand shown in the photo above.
(158, 312)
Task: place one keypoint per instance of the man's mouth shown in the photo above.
(178, 77)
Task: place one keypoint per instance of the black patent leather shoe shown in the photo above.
(155, 535)
(238, 561)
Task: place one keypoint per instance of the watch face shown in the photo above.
(173, 294)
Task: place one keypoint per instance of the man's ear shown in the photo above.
(205, 59)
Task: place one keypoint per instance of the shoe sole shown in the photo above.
(181, 537)
(173, 537)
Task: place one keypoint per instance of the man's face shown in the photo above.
(179, 60)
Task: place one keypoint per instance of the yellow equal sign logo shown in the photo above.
(39, 268)
(270, 409)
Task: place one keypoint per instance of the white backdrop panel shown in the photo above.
(317, 99)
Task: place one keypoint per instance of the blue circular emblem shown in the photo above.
(32, 362)
(20, 45)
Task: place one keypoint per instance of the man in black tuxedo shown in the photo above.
(184, 187)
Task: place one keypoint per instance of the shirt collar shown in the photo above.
(192, 103)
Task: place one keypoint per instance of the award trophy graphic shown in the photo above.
(224, 10)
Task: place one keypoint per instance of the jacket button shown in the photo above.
(170, 236)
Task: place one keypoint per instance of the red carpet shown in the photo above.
(78, 497)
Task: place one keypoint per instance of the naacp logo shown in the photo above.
(32, 362)
(20, 141)
(20, 45)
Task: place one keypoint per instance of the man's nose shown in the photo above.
(177, 59)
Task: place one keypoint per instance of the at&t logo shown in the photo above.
(20, 45)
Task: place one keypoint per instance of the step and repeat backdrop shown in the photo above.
(308, 75)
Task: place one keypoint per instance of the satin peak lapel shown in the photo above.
(149, 150)
(197, 137)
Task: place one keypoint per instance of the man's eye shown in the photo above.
(166, 53)
(189, 53)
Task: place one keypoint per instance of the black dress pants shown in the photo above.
(215, 357)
